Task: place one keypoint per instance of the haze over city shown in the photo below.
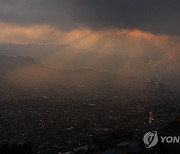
(116, 63)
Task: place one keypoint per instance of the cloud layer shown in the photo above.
(161, 17)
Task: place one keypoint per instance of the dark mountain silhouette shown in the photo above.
(62, 56)
(10, 63)
(65, 57)
(28, 71)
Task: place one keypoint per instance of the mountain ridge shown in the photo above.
(62, 56)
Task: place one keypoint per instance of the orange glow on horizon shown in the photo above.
(140, 34)
(133, 42)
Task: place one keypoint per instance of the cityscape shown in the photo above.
(58, 119)
(89, 77)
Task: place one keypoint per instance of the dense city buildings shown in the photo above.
(72, 119)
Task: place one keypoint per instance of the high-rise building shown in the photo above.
(151, 117)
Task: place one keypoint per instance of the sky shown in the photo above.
(131, 27)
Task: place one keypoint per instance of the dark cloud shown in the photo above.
(156, 16)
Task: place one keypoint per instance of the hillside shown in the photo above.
(61, 56)
(28, 71)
